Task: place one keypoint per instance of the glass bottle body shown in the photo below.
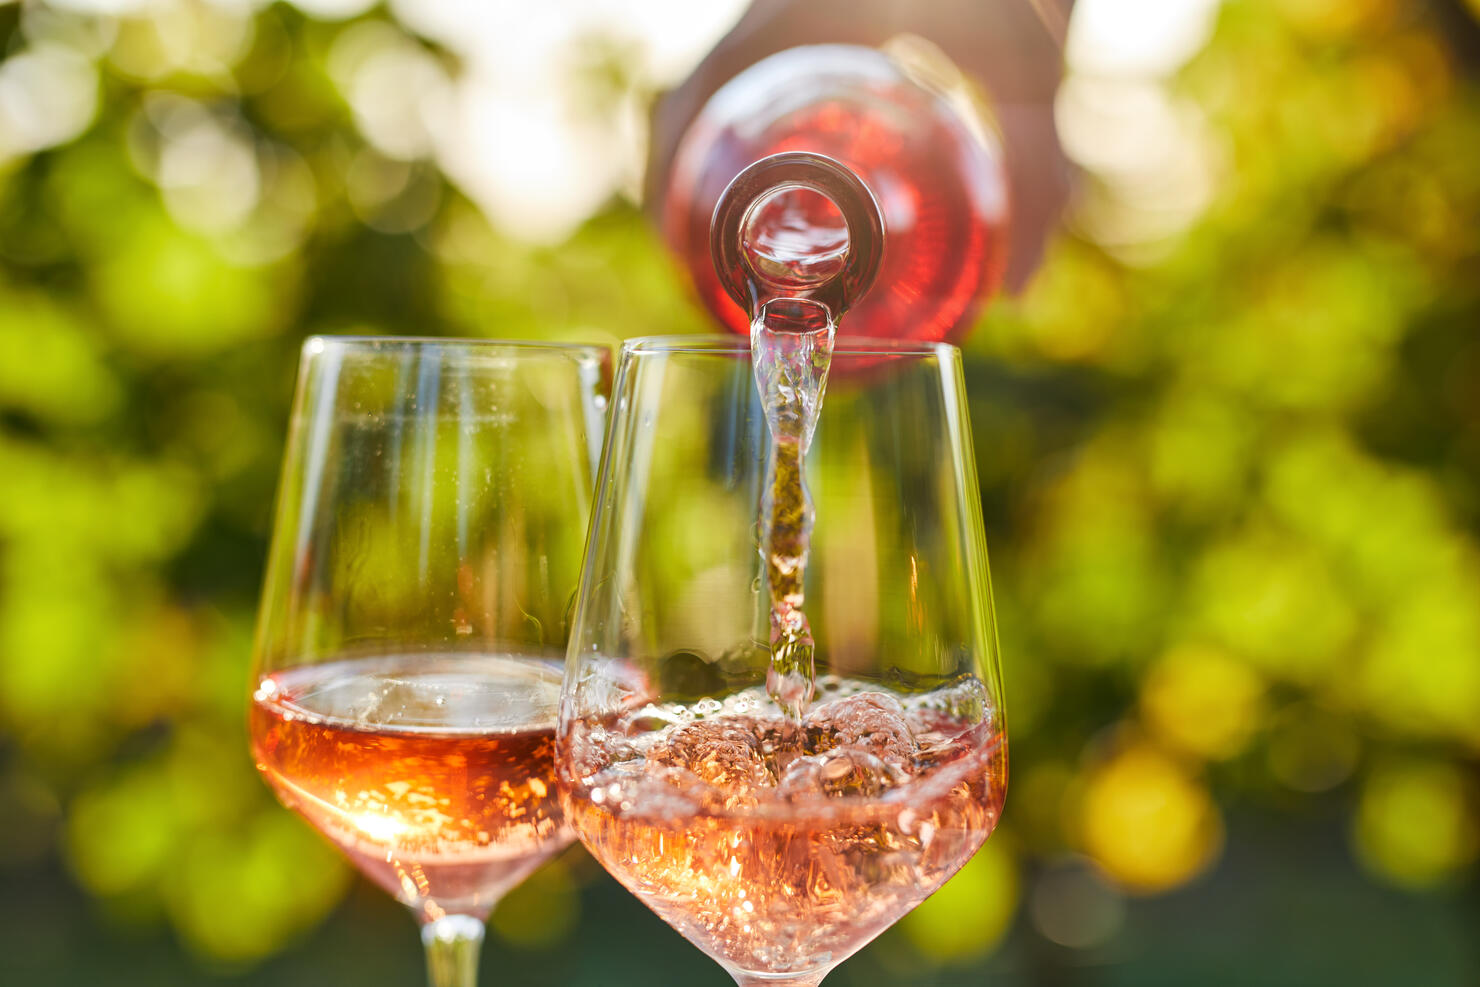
(904, 121)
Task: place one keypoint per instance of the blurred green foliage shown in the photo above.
(1232, 474)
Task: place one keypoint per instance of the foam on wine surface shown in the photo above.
(433, 773)
(783, 846)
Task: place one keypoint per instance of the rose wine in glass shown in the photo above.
(433, 773)
(777, 847)
(425, 550)
(780, 791)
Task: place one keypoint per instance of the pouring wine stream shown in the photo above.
(797, 239)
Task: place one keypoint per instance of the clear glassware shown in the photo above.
(778, 846)
(426, 549)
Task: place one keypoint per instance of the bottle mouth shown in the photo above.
(794, 315)
(730, 345)
(776, 233)
(794, 238)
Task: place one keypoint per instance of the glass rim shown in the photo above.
(318, 342)
(736, 345)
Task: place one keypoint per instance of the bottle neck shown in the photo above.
(763, 253)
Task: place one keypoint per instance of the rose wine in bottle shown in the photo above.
(902, 119)
(434, 775)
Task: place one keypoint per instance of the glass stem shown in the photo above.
(452, 943)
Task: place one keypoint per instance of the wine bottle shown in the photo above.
(901, 119)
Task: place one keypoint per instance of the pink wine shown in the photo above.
(903, 125)
(433, 773)
(780, 846)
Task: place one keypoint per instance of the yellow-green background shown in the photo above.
(1231, 476)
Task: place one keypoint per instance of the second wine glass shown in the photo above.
(781, 842)
(434, 499)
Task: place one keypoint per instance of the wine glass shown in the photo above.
(777, 844)
(426, 549)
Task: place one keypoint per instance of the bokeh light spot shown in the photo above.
(1312, 750)
(970, 913)
(1148, 823)
(1416, 825)
(541, 911)
(1202, 701)
(48, 95)
(1073, 906)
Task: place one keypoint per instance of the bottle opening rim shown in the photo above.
(740, 346)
